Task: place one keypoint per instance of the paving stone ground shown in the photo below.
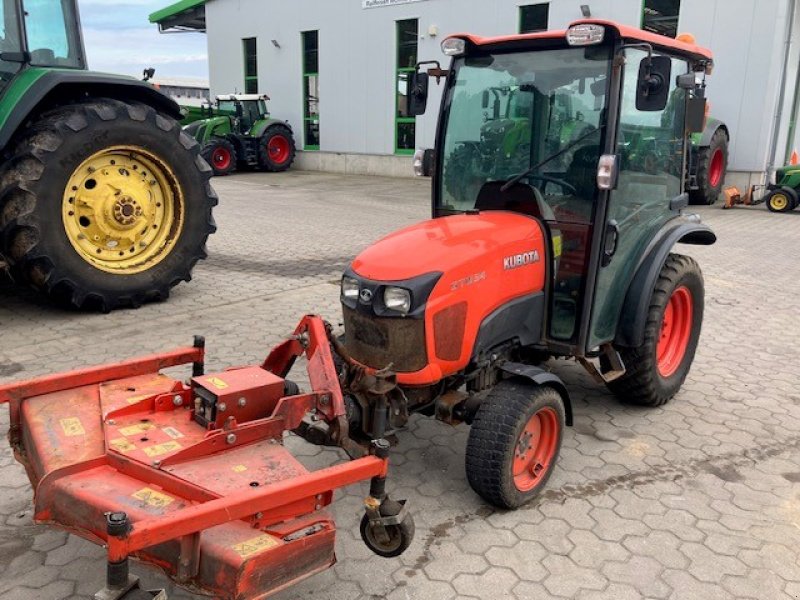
(698, 500)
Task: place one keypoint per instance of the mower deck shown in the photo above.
(148, 466)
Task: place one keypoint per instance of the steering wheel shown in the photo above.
(560, 182)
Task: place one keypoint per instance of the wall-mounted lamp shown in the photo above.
(275, 43)
(586, 11)
(433, 31)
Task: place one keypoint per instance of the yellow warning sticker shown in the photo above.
(239, 469)
(160, 449)
(136, 429)
(217, 383)
(121, 445)
(153, 498)
(254, 546)
(72, 426)
(172, 432)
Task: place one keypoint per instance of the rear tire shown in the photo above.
(712, 167)
(657, 369)
(221, 155)
(781, 200)
(38, 238)
(277, 149)
(514, 442)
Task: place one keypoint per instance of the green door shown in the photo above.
(650, 146)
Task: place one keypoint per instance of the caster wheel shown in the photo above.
(398, 537)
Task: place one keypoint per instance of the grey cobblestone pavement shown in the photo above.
(699, 499)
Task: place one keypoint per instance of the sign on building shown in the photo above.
(381, 3)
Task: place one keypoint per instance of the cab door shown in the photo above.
(650, 146)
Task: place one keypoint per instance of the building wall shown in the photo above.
(358, 47)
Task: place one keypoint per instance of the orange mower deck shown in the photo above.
(190, 477)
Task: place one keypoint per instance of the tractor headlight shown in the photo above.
(399, 299)
(350, 288)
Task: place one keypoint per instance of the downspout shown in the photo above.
(782, 93)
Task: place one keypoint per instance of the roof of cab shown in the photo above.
(625, 32)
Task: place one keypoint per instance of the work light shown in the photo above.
(454, 46)
(585, 34)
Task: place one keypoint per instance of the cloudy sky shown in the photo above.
(120, 39)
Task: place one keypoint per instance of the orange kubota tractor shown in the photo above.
(572, 256)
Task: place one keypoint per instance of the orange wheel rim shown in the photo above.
(535, 450)
(676, 331)
(716, 168)
(279, 149)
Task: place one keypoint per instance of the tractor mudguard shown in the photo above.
(261, 126)
(685, 230)
(541, 377)
(712, 125)
(37, 88)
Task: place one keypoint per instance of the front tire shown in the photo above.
(781, 200)
(712, 167)
(104, 204)
(277, 149)
(221, 155)
(514, 442)
(657, 369)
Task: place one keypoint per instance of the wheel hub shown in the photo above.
(123, 210)
(535, 449)
(676, 331)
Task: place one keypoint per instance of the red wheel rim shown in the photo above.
(715, 168)
(221, 158)
(278, 149)
(676, 331)
(535, 449)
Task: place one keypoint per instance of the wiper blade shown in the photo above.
(517, 178)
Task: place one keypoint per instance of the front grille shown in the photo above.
(377, 342)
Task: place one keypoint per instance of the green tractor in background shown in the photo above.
(237, 132)
(104, 201)
(782, 196)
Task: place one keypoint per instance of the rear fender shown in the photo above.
(630, 331)
(540, 377)
(260, 128)
(45, 89)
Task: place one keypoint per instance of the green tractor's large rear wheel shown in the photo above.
(104, 204)
(276, 149)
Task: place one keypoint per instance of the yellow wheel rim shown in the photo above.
(123, 210)
(779, 201)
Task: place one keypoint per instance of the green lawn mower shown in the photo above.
(237, 132)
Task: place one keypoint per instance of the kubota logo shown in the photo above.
(520, 260)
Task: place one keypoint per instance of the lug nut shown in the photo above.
(242, 402)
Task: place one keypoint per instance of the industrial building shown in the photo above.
(337, 70)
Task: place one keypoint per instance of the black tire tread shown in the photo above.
(266, 163)
(705, 194)
(494, 434)
(639, 385)
(24, 164)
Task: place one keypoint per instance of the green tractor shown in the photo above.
(239, 133)
(104, 201)
(782, 196)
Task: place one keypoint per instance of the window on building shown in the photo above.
(534, 17)
(405, 126)
(311, 89)
(250, 66)
(661, 16)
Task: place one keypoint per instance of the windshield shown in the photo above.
(509, 112)
(9, 39)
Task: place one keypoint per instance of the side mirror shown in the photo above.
(696, 115)
(653, 87)
(417, 93)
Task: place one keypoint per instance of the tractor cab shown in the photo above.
(585, 130)
(45, 33)
(245, 110)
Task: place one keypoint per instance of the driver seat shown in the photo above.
(521, 198)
